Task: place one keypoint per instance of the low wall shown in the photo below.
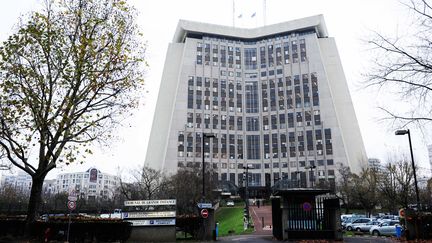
(152, 234)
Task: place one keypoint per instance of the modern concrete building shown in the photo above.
(374, 163)
(91, 184)
(22, 182)
(275, 98)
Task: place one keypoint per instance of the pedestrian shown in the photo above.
(47, 234)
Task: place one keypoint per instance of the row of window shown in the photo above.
(274, 165)
(252, 123)
(269, 55)
(292, 144)
(275, 94)
(301, 177)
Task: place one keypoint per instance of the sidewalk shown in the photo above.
(260, 214)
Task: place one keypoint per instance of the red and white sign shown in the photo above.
(71, 205)
(204, 213)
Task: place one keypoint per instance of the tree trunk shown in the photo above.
(34, 201)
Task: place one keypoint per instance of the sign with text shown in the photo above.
(150, 202)
(152, 222)
(204, 205)
(161, 214)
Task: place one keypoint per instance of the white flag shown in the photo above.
(253, 15)
(241, 15)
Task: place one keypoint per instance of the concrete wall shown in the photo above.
(153, 234)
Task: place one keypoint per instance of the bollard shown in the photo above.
(398, 231)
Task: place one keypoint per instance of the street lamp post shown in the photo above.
(297, 173)
(311, 175)
(246, 180)
(205, 135)
(403, 132)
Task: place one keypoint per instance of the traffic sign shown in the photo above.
(204, 213)
(72, 198)
(307, 206)
(71, 205)
(204, 205)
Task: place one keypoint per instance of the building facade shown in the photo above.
(374, 163)
(21, 183)
(275, 99)
(91, 184)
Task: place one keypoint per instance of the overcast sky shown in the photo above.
(349, 21)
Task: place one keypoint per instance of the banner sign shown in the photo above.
(150, 202)
(152, 222)
(162, 214)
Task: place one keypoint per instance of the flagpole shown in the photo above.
(233, 13)
(264, 12)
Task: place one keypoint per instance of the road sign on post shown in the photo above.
(71, 205)
(204, 213)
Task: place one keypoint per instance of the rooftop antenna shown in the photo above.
(233, 13)
(264, 12)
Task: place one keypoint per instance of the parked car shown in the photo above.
(357, 222)
(348, 221)
(230, 203)
(387, 228)
(366, 227)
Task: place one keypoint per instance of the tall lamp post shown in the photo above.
(403, 132)
(205, 135)
(246, 180)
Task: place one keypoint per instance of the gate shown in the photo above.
(305, 215)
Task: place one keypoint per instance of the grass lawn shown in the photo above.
(231, 221)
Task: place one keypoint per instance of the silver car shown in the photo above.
(385, 228)
(366, 227)
(354, 225)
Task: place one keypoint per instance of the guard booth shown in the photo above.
(305, 213)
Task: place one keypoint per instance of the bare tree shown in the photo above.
(404, 65)
(144, 184)
(67, 77)
(365, 189)
(396, 183)
(186, 187)
(345, 186)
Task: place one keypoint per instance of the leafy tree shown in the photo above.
(404, 64)
(68, 76)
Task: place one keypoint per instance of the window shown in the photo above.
(252, 124)
(253, 146)
(251, 97)
(250, 58)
